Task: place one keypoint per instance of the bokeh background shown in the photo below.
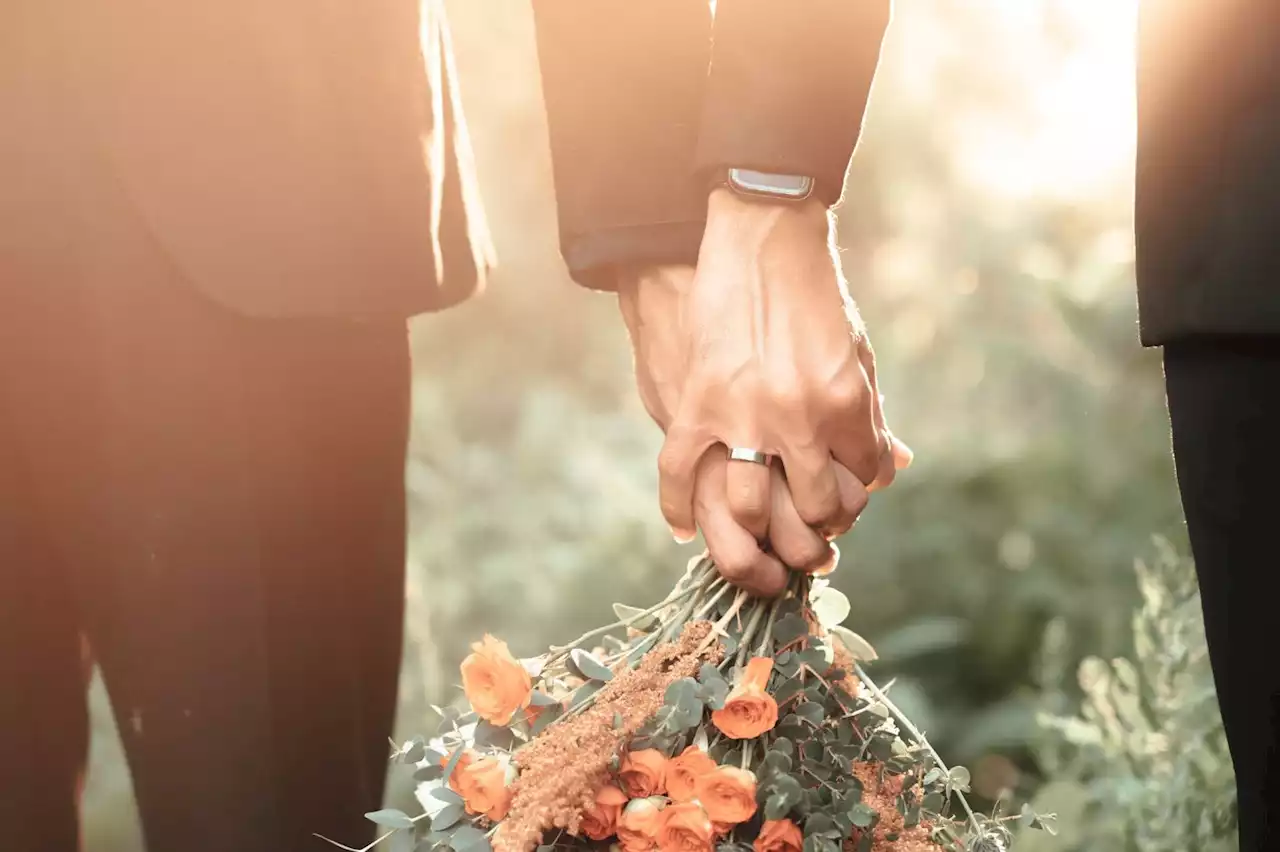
(987, 238)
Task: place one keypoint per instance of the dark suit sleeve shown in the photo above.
(643, 112)
(623, 85)
(788, 86)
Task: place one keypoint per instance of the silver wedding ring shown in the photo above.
(747, 454)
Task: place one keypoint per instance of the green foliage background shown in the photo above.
(987, 239)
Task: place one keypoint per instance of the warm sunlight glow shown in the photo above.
(1074, 134)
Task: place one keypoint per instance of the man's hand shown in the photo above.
(650, 300)
(772, 357)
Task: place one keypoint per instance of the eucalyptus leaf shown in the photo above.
(681, 692)
(860, 649)
(829, 605)
(414, 751)
(390, 818)
(863, 815)
(446, 795)
(546, 717)
(541, 699)
(788, 629)
(778, 806)
(428, 772)
(811, 712)
(588, 667)
(446, 818)
(468, 838)
(494, 735)
(453, 762)
(635, 617)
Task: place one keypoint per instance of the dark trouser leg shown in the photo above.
(44, 724)
(1224, 404)
(250, 514)
(226, 499)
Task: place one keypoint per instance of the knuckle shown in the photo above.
(786, 392)
(671, 462)
(867, 465)
(822, 507)
(811, 555)
(734, 568)
(747, 504)
(846, 394)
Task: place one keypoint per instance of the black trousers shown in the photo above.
(210, 508)
(1224, 404)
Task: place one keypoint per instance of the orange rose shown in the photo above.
(685, 828)
(495, 682)
(749, 710)
(644, 773)
(779, 835)
(485, 787)
(728, 794)
(684, 770)
(638, 825)
(601, 819)
(455, 777)
(720, 829)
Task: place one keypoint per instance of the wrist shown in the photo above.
(746, 216)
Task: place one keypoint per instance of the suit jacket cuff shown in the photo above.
(594, 257)
(788, 87)
(623, 83)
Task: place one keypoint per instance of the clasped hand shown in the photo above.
(760, 347)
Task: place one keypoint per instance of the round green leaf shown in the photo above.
(830, 605)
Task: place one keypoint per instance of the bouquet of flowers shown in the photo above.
(712, 721)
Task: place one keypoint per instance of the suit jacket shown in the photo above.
(1208, 169)
(300, 157)
(291, 157)
(660, 97)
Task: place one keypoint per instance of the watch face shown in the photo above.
(769, 184)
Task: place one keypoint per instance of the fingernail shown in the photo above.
(904, 454)
(683, 536)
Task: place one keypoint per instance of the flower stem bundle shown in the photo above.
(712, 721)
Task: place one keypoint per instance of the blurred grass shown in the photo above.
(986, 235)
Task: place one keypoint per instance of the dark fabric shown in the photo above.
(623, 84)
(1208, 169)
(211, 508)
(789, 85)
(1224, 405)
(291, 158)
(643, 113)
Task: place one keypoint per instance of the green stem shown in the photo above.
(765, 648)
(911, 729)
(706, 608)
(758, 610)
(676, 596)
(718, 628)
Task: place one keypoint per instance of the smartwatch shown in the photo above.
(769, 185)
